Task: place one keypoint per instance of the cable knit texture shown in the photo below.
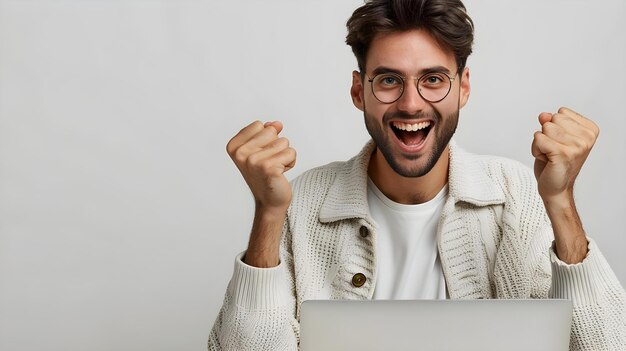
(494, 242)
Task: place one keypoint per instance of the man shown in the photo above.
(413, 215)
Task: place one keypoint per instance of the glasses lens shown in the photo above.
(434, 87)
(387, 87)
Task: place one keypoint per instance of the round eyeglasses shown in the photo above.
(432, 87)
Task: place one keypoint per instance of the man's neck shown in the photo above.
(407, 190)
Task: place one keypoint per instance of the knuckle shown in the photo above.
(558, 131)
(562, 109)
(591, 136)
(580, 143)
(239, 155)
(266, 167)
(564, 119)
(251, 127)
(241, 151)
(268, 135)
(233, 145)
(548, 127)
(282, 143)
(581, 147)
(251, 161)
(270, 130)
(256, 125)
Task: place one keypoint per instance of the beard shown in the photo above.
(443, 128)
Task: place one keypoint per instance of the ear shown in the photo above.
(465, 87)
(356, 90)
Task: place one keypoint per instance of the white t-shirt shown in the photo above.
(406, 247)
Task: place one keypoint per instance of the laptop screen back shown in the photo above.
(429, 325)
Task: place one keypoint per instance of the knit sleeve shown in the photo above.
(258, 312)
(599, 320)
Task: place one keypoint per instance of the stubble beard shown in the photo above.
(445, 129)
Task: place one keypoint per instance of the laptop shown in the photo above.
(436, 325)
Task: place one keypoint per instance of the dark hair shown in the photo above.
(446, 20)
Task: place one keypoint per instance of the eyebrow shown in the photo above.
(434, 69)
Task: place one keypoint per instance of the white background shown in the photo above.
(120, 212)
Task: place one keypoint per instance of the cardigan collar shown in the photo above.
(468, 181)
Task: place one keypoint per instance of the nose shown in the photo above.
(411, 102)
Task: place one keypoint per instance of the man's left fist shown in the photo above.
(560, 150)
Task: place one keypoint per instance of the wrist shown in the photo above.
(269, 213)
(563, 202)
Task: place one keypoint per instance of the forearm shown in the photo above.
(264, 244)
(569, 236)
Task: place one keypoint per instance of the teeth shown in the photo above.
(411, 127)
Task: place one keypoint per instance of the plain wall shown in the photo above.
(120, 212)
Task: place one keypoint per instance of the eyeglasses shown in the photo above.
(432, 87)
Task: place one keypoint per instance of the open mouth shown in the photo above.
(411, 134)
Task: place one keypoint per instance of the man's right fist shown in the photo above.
(263, 158)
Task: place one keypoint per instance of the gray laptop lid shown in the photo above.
(439, 325)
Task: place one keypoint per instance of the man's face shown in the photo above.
(409, 152)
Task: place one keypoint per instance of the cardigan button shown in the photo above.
(358, 280)
(363, 231)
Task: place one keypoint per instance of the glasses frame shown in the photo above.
(417, 79)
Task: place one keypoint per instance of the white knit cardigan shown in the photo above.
(494, 242)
